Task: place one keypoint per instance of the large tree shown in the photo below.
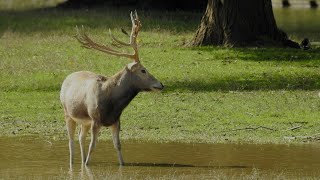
(240, 23)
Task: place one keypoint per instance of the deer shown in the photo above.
(93, 100)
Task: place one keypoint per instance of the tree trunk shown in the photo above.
(313, 4)
(285, 3)
(240, 23)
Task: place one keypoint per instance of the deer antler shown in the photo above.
(86, 42)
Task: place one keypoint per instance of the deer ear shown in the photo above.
(132, 66)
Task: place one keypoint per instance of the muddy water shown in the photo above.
(30, 158)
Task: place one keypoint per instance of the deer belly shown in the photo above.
(85, 122)
(80, 115)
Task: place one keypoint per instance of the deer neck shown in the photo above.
(121, 89)
(124, 85)
(120, 92)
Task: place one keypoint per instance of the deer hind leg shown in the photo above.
(115, 129)
(71, 127)
(82, 138)
(94, 135)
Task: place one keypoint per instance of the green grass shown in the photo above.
(212, 94)
(20, 5)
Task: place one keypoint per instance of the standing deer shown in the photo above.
(94, 100)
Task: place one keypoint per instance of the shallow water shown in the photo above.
(30, 158)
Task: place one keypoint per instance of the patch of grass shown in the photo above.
(20, 5)
(257, 116)
(299, 23)
(212, 94)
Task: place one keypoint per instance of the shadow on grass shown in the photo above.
(269, 83)
(245, 85)
(52, 19)
(263, 54)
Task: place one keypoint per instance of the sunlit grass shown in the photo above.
(178, 116)
(299, 23)
(27, 4)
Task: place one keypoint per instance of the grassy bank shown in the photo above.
(255, 116)
(212, 94)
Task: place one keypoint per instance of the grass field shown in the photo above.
(213, 94)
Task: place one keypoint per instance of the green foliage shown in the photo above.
(212, 93)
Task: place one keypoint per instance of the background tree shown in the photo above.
(285, 3)
(313, 4)
(240, 23)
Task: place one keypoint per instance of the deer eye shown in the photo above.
(143, 71)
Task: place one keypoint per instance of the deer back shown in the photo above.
(80, 94)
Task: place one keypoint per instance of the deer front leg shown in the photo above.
(94, 135)
(71, 127)
(115, 128)
(82, 138)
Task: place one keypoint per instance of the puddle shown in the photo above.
(29, 158)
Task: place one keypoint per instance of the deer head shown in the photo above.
(141, 78)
